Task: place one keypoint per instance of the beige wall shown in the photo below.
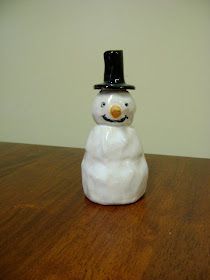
(51, 55)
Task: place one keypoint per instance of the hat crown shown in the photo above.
(113, 72)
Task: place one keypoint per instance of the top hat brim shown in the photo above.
(113, 86)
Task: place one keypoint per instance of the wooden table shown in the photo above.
(49, 230)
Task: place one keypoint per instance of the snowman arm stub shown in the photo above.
(105, 142)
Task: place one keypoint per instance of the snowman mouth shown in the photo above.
(110, 120)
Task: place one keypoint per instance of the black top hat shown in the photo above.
(113, 73)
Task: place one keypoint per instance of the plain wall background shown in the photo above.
(51, 55)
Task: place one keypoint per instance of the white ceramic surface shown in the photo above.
(114, 169)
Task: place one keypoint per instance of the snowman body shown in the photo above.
(114, 169)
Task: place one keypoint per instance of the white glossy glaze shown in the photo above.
(114, 169)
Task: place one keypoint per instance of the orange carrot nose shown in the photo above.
(115, 111)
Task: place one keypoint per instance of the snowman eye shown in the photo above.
(103, 104)
(126, 104)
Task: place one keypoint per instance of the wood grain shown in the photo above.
(49, 230)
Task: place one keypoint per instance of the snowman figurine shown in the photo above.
(114, 169)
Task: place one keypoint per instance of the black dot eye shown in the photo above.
(103, 104)
(126, 104)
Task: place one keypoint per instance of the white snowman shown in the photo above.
(114, 169)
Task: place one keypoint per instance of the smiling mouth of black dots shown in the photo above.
(110, 120)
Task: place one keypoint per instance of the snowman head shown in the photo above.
(113, 107)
